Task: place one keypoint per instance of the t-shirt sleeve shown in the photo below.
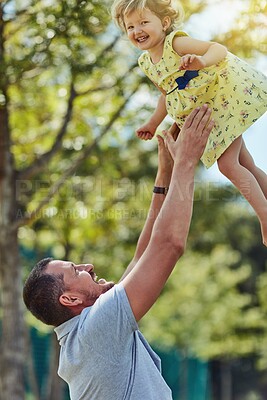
(109, 324)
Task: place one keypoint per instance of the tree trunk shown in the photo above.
(12, 339)
(12, 335)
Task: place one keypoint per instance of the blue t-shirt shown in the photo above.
(103, 355)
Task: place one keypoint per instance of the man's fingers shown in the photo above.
(168, 136)
(190, 119)
(208, 127)
(160, 141)
(201, 118)
(204, 120)
(174, 131)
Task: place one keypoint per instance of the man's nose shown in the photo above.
(85, 267)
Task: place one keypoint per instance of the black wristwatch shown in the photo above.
(160, 190)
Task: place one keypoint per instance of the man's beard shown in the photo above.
(108, 286)
(91, 298)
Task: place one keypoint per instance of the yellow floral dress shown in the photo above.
(235, 91)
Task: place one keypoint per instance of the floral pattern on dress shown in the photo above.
(235, 91)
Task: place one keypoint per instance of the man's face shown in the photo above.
(80, 280)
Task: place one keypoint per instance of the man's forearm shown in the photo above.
(162, 180)
(155, 207)
(175, 216)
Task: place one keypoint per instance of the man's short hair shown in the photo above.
(41, 294)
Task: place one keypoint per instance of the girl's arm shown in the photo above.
(147, 131)
(198, 54)
(160, 112)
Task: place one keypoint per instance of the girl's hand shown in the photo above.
(192, 62)
(146, 131)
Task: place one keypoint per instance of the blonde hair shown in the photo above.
(161, 8)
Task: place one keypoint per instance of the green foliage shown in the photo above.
(214, 304)
(262, 290)
(202, 309)
(248, 37)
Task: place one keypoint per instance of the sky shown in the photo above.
(219, 17)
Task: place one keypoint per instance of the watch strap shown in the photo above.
(160, 190)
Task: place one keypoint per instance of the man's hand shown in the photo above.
(196, 129)
(165, 161)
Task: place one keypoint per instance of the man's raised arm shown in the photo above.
(162, 181)
(169, 232)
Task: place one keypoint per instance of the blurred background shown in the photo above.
(75, 183)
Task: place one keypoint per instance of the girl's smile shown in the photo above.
(146, 31)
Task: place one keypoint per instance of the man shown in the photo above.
(103, 355)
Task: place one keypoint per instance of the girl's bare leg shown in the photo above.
(252, 187)
(247, 161)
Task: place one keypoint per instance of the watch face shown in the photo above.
(160, 190)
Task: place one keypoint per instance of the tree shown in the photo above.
(63, 84)
(248, 37)
(50, 61)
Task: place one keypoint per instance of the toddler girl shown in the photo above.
(190, 73)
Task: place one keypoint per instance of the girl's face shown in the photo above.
(145, 30)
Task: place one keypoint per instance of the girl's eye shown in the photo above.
(130, 27)
(144, 22)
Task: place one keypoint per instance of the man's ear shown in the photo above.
(69, 300)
